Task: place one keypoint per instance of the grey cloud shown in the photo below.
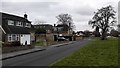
(29, 6)
(85, 10)
(48, 10)
(34, 9)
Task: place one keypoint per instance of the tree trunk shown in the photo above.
(103, 35)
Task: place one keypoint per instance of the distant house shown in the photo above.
(61, 28)
(80, 33)
(16, 28)
(47, 27)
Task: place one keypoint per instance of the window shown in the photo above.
(19, 24)
(10, 22)
(9, 38)
(13, 37)
(17, 37)
(21, 35)
(28, 25)
(36, 27)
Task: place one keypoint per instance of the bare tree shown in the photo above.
(104, 18)
(65, 19)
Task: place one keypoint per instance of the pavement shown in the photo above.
(28, 51)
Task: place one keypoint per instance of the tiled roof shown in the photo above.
(62, 25)
(13, 17)
(10, 29)
(15, 30)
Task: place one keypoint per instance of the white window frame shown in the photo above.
(36, 27)
(28, 25)
(13, 37)
(9, 36)
(10, 22)
(19, 23)
(16, 37)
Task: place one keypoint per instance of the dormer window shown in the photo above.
(19, 24)
(10, 22)
(28, 25)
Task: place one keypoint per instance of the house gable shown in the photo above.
(13, 24)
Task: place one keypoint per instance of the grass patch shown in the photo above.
(40, 43)
(97, 53)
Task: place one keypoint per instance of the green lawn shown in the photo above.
(97, 53)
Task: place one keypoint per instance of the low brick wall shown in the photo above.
(16, 48)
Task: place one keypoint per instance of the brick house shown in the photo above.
(47, 27)
(16, 28)
(61, 29)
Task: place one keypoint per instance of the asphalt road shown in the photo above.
(46, 57)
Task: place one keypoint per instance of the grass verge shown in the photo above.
(40, 43)
(97, 53)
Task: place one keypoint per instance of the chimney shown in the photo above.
(54, 25)
(25, 16)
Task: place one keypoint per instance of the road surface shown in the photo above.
(46, 57)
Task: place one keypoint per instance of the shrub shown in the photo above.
(40, 31)
(114, 33)
(96, 34)
(10, 44)
(16, 43)
(6, 44)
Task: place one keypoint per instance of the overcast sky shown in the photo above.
(47, 10)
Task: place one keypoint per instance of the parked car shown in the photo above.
(60, 38)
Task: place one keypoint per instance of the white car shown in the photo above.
(60, 38)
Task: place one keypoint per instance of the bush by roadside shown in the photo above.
(11, 44)
(40, 43)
